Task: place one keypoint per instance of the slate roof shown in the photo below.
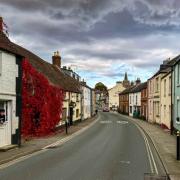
(139, 87)
(52, 73)
(127, 91)
(165, 68)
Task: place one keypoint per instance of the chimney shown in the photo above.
(1, 24)
(56, 59)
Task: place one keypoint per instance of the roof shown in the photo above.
(139, 87)
(168, 72)
(127, 91)
(52, 73)
(85, 85)
(165, 68)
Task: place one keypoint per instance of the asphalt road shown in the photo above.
(113, 148)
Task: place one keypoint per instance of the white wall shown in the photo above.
(86, 102)
(134, 101)
(8, 74)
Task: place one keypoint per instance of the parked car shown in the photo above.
(106, 109)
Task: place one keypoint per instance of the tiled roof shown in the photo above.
(52, 73)
(139, 87)
(127, 91)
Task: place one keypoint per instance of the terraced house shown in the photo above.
(124, 101)
(176, 93)
(166, 100)
(52, 95)
(10, 92)
(155, 92)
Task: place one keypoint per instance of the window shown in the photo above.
(136, 99)
(157, 110)
(164, 87)
(164, 111)
(77, 113)
(130, 109)
(169, 85)
(157, 84)
(178, 73)
(77, 97)
(178, 111)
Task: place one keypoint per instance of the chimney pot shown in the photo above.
(56, 59)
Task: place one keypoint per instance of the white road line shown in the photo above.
(71, 136)
(44, 149)
(20, 159)
(122, 122)
(105, 122)
(150, 154)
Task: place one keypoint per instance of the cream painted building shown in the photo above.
(114, 92)
(166, 100)
(154, 95)
(71, 107)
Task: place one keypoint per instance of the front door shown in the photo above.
(5, 130)
(71, 116)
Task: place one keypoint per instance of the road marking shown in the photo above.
(122, 122)
(44, 149)
(149, 151)
(20, 159)
(125, 162)
(105, 122)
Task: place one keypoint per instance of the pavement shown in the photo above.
(165, 144)
(36, 144)
(113, 148)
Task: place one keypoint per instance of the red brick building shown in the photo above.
(124, 101)
(144, 101)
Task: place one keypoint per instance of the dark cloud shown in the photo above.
(97, 34)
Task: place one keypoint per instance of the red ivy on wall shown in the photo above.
(41, 103)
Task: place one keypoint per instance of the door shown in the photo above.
(71, 116)
(5, 130)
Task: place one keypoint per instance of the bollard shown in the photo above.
(66, 124)
(178, 146)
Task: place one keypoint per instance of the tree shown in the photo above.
(100, 87)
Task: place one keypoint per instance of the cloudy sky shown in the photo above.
(100, 39)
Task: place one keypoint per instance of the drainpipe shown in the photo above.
(172, 95)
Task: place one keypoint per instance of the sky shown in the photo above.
(99, 39)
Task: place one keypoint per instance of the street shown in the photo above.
(113, 148)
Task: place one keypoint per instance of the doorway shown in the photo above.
(5, 123)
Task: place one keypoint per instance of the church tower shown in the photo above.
(126, 82)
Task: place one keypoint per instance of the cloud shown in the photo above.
(97, 36)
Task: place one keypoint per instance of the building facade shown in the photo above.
(155, 93)
(124, 101)
(166, 100)
(144, 102)
(176, 94)
(10, 93)
(114, 95)
(135, 100)
(86, 101)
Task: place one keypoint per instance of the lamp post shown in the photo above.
(178, 145)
